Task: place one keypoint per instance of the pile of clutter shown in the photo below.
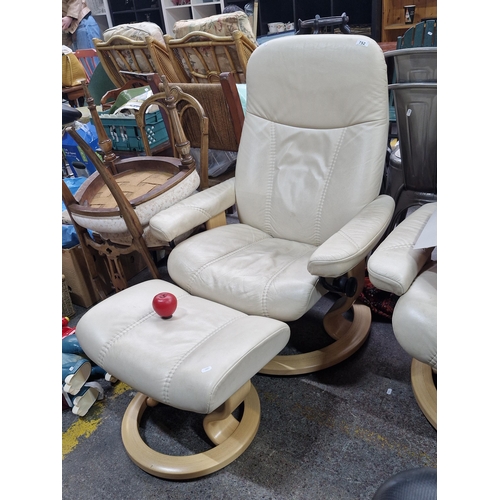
(79, 374)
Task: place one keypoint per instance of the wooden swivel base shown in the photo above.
(231, 437)
(425, 390)
(354, 334)
(350, 335)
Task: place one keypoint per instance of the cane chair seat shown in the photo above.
(149, 186)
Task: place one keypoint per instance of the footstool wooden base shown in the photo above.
(200, 360)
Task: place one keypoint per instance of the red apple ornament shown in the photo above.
(165, 304)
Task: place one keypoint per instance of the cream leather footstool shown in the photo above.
(200, 360)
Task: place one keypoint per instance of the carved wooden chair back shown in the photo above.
(205, 56)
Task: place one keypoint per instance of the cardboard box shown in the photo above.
(67, 305)
(78, 279)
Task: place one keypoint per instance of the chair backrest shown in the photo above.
(417, 64)
(416, 115)
(205, 56)
(89, 60)
(423, 34)
(120, 53)
(314, 139)
(100, 83)
(205, 115)
(222, 129)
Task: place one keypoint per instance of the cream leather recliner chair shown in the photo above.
(306, 188)
(397, 267)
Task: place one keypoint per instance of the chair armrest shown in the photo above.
(347, 247)
(395, 263)
(193, 211)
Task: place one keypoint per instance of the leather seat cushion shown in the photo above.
(247, 269)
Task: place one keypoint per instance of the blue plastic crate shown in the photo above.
(125, 134)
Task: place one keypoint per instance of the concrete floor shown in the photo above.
(335, 434)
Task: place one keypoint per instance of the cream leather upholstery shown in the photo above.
(415, 322)
(209, 351)
(307, 181)
(399, 268)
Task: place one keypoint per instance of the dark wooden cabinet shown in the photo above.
(135, 11)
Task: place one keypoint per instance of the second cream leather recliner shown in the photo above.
(306, 188)
(411, 273)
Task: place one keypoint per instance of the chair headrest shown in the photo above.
(348, 72)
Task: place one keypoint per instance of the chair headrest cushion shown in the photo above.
(136, 31)
(348, 72)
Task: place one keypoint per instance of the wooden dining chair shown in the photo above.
(89, 60)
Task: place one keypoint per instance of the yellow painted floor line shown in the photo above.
(85, 427)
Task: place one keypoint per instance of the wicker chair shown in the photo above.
(205, 56)
(122, 56)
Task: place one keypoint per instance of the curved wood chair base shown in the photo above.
(351, 336)
(190, 466)
(425, 390)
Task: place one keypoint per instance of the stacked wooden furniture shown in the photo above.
(111, 210)
(206, 49)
